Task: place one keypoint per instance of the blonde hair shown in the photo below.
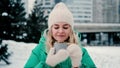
(50, 40)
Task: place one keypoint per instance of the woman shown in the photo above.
(59, 46)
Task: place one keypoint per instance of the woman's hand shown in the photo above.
(54, 59)
(75, 53)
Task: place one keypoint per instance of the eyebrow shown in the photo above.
(56, 24)
(63, 25)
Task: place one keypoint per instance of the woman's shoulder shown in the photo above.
(41, 46)
(84, 49)
(44, 33)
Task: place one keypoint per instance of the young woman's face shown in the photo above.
(61, 31)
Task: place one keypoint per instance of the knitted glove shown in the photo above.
(75, 54)
(54, 59)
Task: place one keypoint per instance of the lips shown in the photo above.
(61, 35)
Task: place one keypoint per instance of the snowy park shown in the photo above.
(103, 56)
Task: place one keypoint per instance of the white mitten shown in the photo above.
(75, 53)
(54, 59)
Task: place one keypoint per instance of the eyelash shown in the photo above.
(56, 27)
(63, 27)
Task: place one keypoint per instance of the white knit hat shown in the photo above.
(60, 13)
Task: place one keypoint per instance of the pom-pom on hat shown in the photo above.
(60, 13)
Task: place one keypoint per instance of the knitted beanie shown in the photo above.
(60, 13)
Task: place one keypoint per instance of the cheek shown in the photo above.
(68, 32)
(67, 35)
(54, 32)
(54, 35)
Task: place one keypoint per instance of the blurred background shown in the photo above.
(22, 23)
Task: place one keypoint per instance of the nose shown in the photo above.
(61, 30)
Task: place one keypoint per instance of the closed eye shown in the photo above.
(65, 27)
(56, 27)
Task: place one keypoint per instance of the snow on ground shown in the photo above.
(103, 56)
(20, 53)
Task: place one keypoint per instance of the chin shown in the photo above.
(60, 41)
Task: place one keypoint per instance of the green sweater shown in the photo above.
(38, 57)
